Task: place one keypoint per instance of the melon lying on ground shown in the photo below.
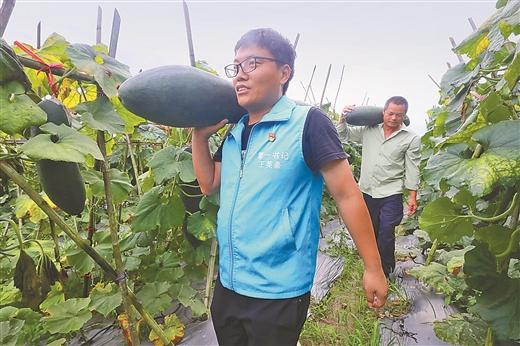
(60, 180)
(368, 116)
(180, 96)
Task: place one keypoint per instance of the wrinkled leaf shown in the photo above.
(461, 329)
(496, 236)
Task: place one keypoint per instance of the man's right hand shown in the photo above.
(203, 133)
(347, 109)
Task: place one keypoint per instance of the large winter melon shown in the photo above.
(368, 116)
(60, 180)
(180, 96)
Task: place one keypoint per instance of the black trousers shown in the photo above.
(386, 213)
(244, 321)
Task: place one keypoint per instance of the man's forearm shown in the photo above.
(355, 214)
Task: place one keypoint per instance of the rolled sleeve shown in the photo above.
(412, 159)
(349, 133)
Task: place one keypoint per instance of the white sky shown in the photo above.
(388, 47)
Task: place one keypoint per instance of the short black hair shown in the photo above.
(279, 46)
(398, 100)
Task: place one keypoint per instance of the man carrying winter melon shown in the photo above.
(270, 171)
(389, 163)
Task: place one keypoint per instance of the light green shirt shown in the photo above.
(387, 164)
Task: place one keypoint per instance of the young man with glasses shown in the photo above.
(270, 171)
(389, 164)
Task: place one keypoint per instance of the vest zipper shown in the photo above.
(241, 174)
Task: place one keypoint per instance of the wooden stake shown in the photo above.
(454, 45)
(309, 86)
(296, 41)
(39, 35)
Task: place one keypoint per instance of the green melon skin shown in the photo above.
(368, 116)
(61, 181)
(180, 96)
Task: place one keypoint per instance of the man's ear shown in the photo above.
(286, 74)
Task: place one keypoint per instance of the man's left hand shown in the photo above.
(412, 206)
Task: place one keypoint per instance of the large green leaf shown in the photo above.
(201, 226)
(108, 72)
(56, 296)
(443, 222)
(105, 299)
(494, 109)
(9, 332)
(499, 301)
(68, 145)
(154, 297)
(158, 210)
(17, 110)
(9, 294)
(457, 76)
(100, 114)
(172, 161)
(119, 181)
(499, 163)
(496, 236)
(131, 120)
(461, 329)
(512, 73)
(68, 316)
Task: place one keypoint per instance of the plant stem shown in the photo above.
(134, 338)
(477, 152)
(83, 244)
(211, 270)
(134, 164)
(505, 214)
(433, 249)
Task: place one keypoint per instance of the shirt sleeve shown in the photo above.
(412, 159)
(321, 143)
(350, 133)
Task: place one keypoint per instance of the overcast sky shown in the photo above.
(388, 47)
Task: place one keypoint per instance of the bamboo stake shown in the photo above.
(433, 80)
(82, 243)
(296, 41)
(98, 24)
(454, 45)
(5, 14)
(339, 87)
(310, 82)
(472, 23)
(39, 35)
(58, 71)
(188, 33)
(325, 86)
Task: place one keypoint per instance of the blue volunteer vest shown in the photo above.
(270, 200)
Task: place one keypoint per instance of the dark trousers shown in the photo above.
(386, 213)
(245, 321)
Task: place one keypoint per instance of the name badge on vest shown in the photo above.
(271, 137)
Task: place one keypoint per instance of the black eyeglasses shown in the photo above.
(247, 65)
